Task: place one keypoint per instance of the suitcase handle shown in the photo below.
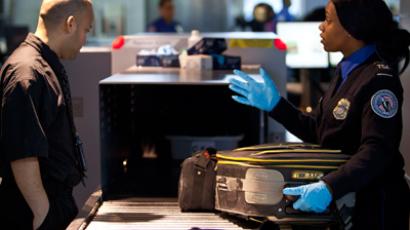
(288, 207)
(289, 200)
(289, 210)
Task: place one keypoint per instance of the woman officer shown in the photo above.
(359, 114)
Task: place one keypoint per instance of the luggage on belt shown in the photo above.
(250, 180)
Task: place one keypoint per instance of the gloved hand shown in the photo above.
(314, 197)
(264, 96)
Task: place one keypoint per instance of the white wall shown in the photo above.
(135, 16)
(132, 14)
(25, 12)
(309, 5)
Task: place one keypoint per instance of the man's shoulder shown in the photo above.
(24, 53)
(24, 63)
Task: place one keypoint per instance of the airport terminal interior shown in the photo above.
(146, 96)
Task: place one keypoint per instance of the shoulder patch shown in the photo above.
(384, 103)
(382, 70)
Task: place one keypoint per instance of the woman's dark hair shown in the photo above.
(163, 2)
(371, 21)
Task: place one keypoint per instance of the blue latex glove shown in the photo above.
(264, 96)
(314, 197)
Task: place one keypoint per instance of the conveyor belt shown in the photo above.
(155, 214)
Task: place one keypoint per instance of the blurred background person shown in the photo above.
(284, 15)
(165, 23)
(264, 19)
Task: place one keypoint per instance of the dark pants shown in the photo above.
(383, 209)
(380, 207)
(16, 214)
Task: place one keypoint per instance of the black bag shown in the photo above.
(225, 62)
(196, 190)
(250, 181)
(208, 46)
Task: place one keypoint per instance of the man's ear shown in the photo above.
(70, 24)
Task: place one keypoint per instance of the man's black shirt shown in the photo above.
(35, 121)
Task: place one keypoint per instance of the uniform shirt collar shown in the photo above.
(358, 57)
(46, 52)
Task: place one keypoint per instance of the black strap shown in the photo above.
(79, 154)
(65, 87)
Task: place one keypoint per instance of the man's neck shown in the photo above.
(48, 40)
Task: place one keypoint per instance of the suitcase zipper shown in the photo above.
(224, 162)
(277, 147)
(247, 159)
(297, 151)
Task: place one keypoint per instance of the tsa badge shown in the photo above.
(341, 109)
(385, 104)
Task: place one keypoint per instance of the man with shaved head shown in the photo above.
(40, 154)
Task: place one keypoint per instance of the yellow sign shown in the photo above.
(250, 43)
(307, 175)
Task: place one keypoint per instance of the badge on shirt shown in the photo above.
(341, 109)
(384, 103)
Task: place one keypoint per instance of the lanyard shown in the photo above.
(79, 151)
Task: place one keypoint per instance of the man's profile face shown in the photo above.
(78, 37)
